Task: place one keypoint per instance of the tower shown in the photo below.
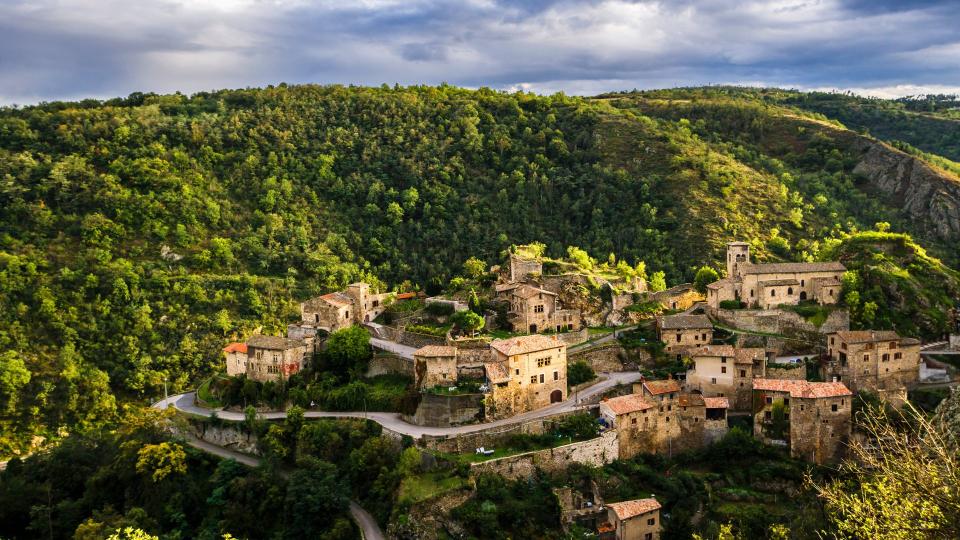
(738, 254)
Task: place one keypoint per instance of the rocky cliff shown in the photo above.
(927, 195)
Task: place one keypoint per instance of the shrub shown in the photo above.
(439, 309)
(732, 304)
(579, 372)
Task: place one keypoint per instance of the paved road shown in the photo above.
(600, 340)
(392, 421)
(368, 525)
(402, 351)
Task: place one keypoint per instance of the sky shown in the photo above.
(76, 49)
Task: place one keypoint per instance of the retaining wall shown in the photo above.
(777, 321)
(596, 452)
(607, 357)
(383, 364)
(491, 436)
(445, 411)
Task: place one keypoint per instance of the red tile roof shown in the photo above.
(803, 389)
(526, 344)
(661, 387)
(629, 509)
(236, 347)
(337, 299)
(716, 402)
(406, 295)
(627, 404)
(867, 336)
(497, 372)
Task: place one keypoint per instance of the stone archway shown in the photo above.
(803, 295)
(556, 396)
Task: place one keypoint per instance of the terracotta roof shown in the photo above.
(867, 336)
(433, 351)
(526, 344)
(803, 389)
(661, 387)
(406, 295)
(528, 291)
(629, 509)
(714, 350)
(628, 404)
(236, 347)
(779, 282)
(789, 268)
(680, 322)
(747, 355)
(716, 402)
(605, 528)
(337, 299)
(691, 400)
(278, 343)
(719, 284)
(497, 372)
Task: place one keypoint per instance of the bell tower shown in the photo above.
(738, 254)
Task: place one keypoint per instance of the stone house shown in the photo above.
(274, 358)
(875, 360)
(680, 332)
(812, 419)
(236, 358)
(664, 421)
(534, 309)
(527, 373)
(354, 305)
(638, 519)
(434, 365)
(726, 371)
(767, 286)
(520, 268)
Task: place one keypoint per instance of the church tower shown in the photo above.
(738, 254)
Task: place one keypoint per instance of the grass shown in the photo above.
(415, 489)
(814, 313)
(205, 395)
(599, 330)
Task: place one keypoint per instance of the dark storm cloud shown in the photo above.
(55, 49)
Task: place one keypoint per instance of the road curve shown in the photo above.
(392, 421)
(368, 526)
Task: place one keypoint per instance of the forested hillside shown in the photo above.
(139, 234)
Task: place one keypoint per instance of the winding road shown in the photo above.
(392, 421)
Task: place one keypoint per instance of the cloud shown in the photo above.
(56, 49)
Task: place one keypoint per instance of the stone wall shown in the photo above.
(445, 411)
(573, 338)
(607, 357)
(383, 364)
(471, 352)
(411, 339)
(227, 435)
(492, 436)
(796, 372)
(955, 342)
(777, 321)
(714, 430)
(596, 452)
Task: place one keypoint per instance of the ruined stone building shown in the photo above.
(520, 268)
(812, 419)
(726, 371)
(767, 286)
(354, 305)
(267, 358)
(874, 360)
(665, 421)
(528, 373)
(682, 332)
(434, 365)
(534, 309)
(638, 519)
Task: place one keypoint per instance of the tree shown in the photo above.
(14, 376)
(705, 276)
(316, 496)
(161, 460)
(902, 481)
(473, 268)
(579, 372)
(347, 352)
(658, 282)
(474, 302)
(468, 321)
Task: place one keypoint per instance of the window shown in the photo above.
(669, 407)
(678, 338)
(743, 373)
(833, 407)
(696, 337)
(869, 347)
(885, 357)
(651, 521)
(533, 379)
(866, 357)
(346, 314)
(518, 372)
(713, 380)
(769, 400)
(543, 362)
(786, 401)
(556, 375)
(723, 359)
(803, 283)
(831, 340)
(704, 337)
(789, 290)
(801, 407)
(668, 419)
(751, 293)
(893, 344)
(541, 378)
(538, 308)
(648, 536)
(773, 292)
(723, 369)
(897, 356)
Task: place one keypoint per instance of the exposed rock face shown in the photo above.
(926, 195)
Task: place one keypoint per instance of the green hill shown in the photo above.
(139, 234)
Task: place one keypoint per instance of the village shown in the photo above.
(669, 371)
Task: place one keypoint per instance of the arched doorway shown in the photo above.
(533, 329)
(803, 295)
(556, 396)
